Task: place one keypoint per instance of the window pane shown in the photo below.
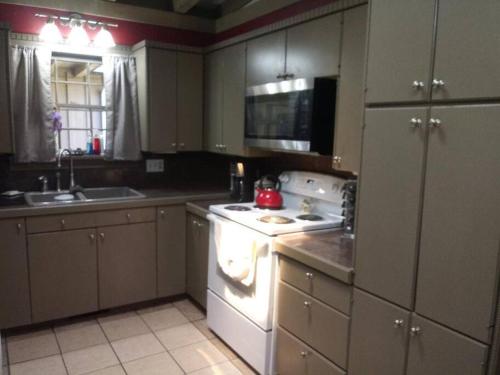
(76, 94)
(96, 95)
(76, 119)
(78, 139)
(73, 71)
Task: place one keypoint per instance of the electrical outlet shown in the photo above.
(155, 165)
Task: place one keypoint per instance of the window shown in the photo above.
(77, 86)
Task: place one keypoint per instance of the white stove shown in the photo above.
(243, 266)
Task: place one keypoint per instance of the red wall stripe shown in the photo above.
(22, 20)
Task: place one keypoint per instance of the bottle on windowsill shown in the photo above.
(97, 144)
(89, 148)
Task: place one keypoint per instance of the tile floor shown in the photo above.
(167, 339)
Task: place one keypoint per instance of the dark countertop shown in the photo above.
(200, 207)
(327, 251)
(154, 197)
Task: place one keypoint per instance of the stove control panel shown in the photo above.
(314, 185)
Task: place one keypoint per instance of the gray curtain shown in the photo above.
(122, 108)
(31, 101)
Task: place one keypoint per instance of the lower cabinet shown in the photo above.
(383, 335)
(293, 357)
(14, 285)
(63, 274)
(197, 242)
(171, 242)
(127, 264)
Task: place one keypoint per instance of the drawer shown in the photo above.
(317, 284)
(127, 216)
(52, 223)
(293, 357)
(318, 325)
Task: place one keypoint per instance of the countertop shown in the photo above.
(200, 207)
(326, 251)
(154, 197)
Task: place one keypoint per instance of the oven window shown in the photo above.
(284, 116)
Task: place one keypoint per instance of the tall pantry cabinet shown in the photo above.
(428, 240)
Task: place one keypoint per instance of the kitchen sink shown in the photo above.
(104, 194)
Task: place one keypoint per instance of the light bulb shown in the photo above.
(50, 32)
(104, 39)
(78, 36)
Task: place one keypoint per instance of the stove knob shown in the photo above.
(284, 178)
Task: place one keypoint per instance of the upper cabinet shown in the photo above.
(170, 87)
(415, 60)
(266, 58)
(5, 111)
(311, 49)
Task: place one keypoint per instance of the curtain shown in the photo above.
(122, 108)
(31, 101)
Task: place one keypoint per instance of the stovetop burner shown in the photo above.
(310, 217)
(270, 208)
(276, 219)
(237, 207)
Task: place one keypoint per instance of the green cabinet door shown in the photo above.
(458, 262)
(389, 202)
(399, 50)
(379, 334)
(197, 237)
(266, 58)
(213, 99)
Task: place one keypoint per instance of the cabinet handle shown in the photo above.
(195, 222)
(307, 304)
(415, 331)
(435, 122)
(181, 145)
(417, 85)
(304, 353)
(101, 235)
(337, 160)
(398, 323)
(437, 83)
(19, 227)
(92, 237)
(200, 225)
(309, 275)
(174, 145)
(416, 122)
(63, 223)
(162, 213)
(129, 217)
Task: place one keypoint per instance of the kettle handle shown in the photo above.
(273, 178)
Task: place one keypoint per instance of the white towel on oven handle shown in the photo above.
(236, 251)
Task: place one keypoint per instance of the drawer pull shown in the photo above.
(102, 236)
(19, 227)
(162, 213)
(398, 323)
(415, 331)
(304, 354)
(307, 304)
(309, 275)
(92, 237)
(63, 223)
(128, 217)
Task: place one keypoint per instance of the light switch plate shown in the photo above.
(155, 165)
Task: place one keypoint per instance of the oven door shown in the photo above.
(279, 115)
(254, 301)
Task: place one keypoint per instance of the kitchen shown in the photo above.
(238, 187)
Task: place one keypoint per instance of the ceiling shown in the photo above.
(203, 8)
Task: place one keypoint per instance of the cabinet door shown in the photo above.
(436, 350)
(197, 258)
(63, 274)
(389, 203)
(233, 118)
(162, 90)
(313, 48)
(189, 101)
(379, 333)
(467, 49)
(266, 58)
(460, 234)
(214, 68)
(348, 126)
(399, 50)
(127, 264)
(14, 286)
(171, 242)
(5, 113)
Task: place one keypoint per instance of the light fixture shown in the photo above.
(50, 32)
(78, 36)
(104, 39)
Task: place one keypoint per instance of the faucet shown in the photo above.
(45, 183)
(71, 171)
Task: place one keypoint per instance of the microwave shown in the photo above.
(292, 115)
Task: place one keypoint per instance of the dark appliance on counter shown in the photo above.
(293, 115)
(349, 205)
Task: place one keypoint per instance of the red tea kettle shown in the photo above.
(268, 193)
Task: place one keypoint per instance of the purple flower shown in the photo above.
(56, 121)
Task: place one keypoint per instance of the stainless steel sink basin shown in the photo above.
(53, 198)
(111, 193)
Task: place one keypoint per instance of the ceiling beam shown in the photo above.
(230, 6)
(183, 6)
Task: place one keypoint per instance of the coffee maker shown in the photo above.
(237, 181)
